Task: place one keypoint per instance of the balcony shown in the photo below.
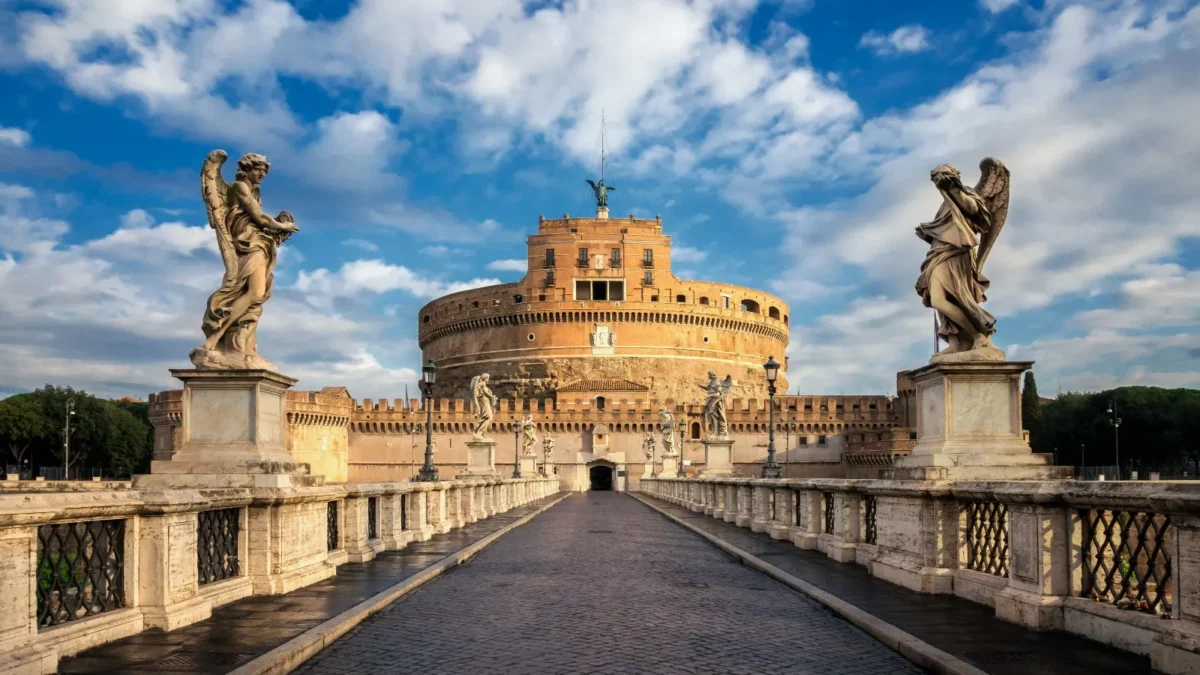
(648, 263)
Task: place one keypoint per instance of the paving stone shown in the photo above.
(601, 584)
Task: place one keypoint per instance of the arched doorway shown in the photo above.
(600, 477)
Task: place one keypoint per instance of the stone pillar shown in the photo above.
(843, 546)
(18, 621)
(808, 530)
(719, 503)
(917, 539)
(529, 466)
(694, 498)
(709, 490)
(731, 501)
(354, 539)
(760, 505)
(454, 513)
(1177, 651)
(969, 426)
(745, 504)
(481, 458)
(168, 589)
(670, 466)
(785, 513)
(1039, 545)
(391, 522)
(435, 508)
(718, 457)
(418, 514)
(287, 542)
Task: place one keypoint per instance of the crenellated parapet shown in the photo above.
(330, 407)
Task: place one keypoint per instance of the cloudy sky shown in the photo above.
(786, 144)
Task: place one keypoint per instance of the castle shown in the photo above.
(597, 338)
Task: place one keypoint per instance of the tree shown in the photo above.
(21, 425)
(1031, 413)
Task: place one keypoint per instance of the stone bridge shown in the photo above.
(835, 576)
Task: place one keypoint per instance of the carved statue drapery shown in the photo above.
(716, 424)
(648, 445)
(529, 440)
(960, 237)
(667, 427)
(248, 240)
(483, 403)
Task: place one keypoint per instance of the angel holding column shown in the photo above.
(960, 237)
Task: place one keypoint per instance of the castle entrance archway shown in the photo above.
(600, 477)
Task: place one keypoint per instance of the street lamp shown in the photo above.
(684, 423)
(1116, 425)
(516, 449)
(428, 378)
(70, 411)
(771, 467)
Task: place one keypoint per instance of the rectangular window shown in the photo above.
(586, 289)
(804, 440)
(616, 291)
(600, 290)
(648, 279)
(583, 290)
(820, 440)
(583, 258)
(549, 257)
(648, 257)
(615, 258)
(725, 301)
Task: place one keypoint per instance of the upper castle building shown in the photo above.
(600, 315)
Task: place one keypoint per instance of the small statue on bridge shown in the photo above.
(667, 426)
(547, 448)
(715, 392)
(483, 402)
(648, 445)
(529, 431)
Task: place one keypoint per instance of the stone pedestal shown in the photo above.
(969, 426)
(481, 458)
(234, 434)
(648, 469)
(718, 457)
(670, 466)
(529, 467)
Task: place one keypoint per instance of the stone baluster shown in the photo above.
(808, 531)
(745, 503)
(785, 512)
(847, 518)
(391, 523)
(435, 508)
(760, 506)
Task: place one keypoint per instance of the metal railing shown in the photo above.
(80, 570)
(870, 521)
(827, 502)
(372, 517)
(987, 537)
(331, 527)
(217, 545)
(1127, 559)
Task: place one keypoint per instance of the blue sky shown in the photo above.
(786, 145)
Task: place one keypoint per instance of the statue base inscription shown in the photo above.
(718, 457)
(969, 426)
(481, 458)
(234, 434)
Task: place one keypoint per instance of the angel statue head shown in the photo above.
(945, 174)
(712, 375)
(252, 168)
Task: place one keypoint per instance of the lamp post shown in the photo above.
(682, 436)
(1116, 425)
(771, 467)
(428, 378)
(516, 450)
(70, 411)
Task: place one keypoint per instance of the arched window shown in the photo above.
(773, 313)
(703, 300)
(599, 403)
(749, 306)
(681, 298)
(695, 431)
(425, 319)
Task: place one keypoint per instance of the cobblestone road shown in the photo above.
(601, 584)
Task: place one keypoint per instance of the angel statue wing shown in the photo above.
(993, 189)
(592, 183)
(214, 188)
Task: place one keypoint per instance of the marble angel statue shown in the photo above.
(648, 445)
(716, 424)
(248, 240)
(529, 437)
(960, 237)
(667, 427)
(483, 403)
(547, 448)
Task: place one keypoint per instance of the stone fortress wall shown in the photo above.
(371, 441)
(546, 332)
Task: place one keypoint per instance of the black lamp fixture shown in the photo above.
(771, 467)
(428, 379)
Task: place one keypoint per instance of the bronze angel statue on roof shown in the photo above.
(248, 240)
(601, 190)
(960, 237)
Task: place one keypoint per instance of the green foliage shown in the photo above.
(1031, 411)
(1160, 429)
(113, 435)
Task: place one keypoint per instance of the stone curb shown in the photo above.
(292, 654)
(918, 651)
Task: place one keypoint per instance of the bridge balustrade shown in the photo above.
(1118, 562)
(82, 568)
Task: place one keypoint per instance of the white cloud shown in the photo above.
(997, 6)
(362, 244)
(19, 231)
(687, 254)
(904, 40)
(18, 137)
(509, 265)
(375, 276)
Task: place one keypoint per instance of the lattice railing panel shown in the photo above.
(331, 526)
(80, 570)
(987, 537)
(372, 517)
(1127, 559)
(870, 531)
(217, 545)
(827, 500)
